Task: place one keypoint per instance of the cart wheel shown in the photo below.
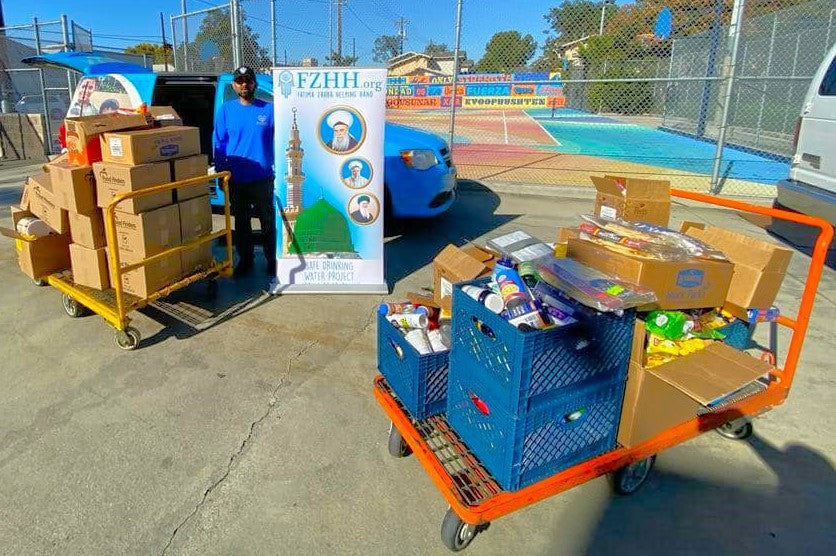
(739, 429)
(127, 339)
(397, 445)
(457, 534)
(40, 282)
(72, 307)
(630, 478)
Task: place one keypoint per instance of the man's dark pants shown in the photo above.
(254, 199)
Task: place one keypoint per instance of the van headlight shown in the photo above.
(420, 159)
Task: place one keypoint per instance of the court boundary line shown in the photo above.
(533, 119)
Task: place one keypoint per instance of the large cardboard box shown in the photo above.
(759, 266)
(142, 282)
(112, 179)
(633, 199)
(139, 236)
(458, 264)
(40, 201)
(195, 218)
(43, 256)
(83, 147)
(198, 258)
(164, 115)
(690, 284)
(665, 396)
(88, 231)
(150, 145)
(89, 267)
(73, 187)
(190, 167)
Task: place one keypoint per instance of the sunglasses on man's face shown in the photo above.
(242, 80)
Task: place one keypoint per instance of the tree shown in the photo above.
(507, 51)
(386, 47)
(336, 60)
(436, 48)
(211, 49)
(156, 52)
(574, 20)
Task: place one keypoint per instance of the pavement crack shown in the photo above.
(271, 403)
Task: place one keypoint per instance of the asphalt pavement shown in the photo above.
(252, 428)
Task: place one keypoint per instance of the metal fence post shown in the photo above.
(768, 71)
(729, 70)
(235, 21)
(47, 123)
(453, 96)
(710, 64)
(177, 67)
(185, 36)
(273, 31)
(788, 107)
(65, 33)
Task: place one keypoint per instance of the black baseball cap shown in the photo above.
(244, 71)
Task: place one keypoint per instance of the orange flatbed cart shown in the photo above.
(476, 499)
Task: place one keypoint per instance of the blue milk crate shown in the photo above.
(419, 381)
(523, 369)
(574, 427)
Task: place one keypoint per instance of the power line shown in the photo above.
(361, 20)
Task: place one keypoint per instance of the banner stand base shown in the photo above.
(283, 289)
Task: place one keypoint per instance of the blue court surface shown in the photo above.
(578, 132)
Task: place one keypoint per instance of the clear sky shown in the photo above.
(303, 27)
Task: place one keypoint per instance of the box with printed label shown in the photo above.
(195, 222)
(88, 231)
(89, 267)
(41, 202)
(73, 187)
(144, 281)
(689, 284)
(83, 147)
(150, 145)
(190, 167)
(139, 236)
(633, 199)
(112, 179)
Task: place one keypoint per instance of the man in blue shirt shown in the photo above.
(243, 144)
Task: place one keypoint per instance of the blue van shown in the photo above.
(419, 177)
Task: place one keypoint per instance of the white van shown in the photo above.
(811, 185)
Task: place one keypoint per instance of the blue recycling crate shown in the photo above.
(523, 369)
(419, 381)
(574, 427)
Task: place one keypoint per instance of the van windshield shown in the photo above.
(102, 94)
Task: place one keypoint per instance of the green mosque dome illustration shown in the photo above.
(320, 228)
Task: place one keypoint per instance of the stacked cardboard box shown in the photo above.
(109, 156)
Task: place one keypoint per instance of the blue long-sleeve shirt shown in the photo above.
(243, 140)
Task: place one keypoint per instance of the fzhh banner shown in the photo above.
(329, 179)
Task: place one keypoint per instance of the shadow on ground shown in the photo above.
(688, 515)
(411, 243)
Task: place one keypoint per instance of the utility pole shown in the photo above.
(165, 52)
(401, 23)
(339, 30)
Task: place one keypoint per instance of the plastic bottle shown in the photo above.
(409, 320)
(511, 286)
(387, 309)
(528, 272)
(485, 296)
(446, 329)
(671, 325)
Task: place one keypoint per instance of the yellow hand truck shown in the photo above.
(114, 304)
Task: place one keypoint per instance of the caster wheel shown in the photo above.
(457, 534)
(40, 282)
(72, 307)
(630, 478)
(127, 339)
(397, 445)
(739, 429)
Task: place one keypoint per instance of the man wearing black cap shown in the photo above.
(243, 144)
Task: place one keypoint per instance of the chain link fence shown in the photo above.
(646, 89)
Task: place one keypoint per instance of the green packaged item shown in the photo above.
(671, 325)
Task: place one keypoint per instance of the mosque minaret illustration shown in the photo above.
(319, 230)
